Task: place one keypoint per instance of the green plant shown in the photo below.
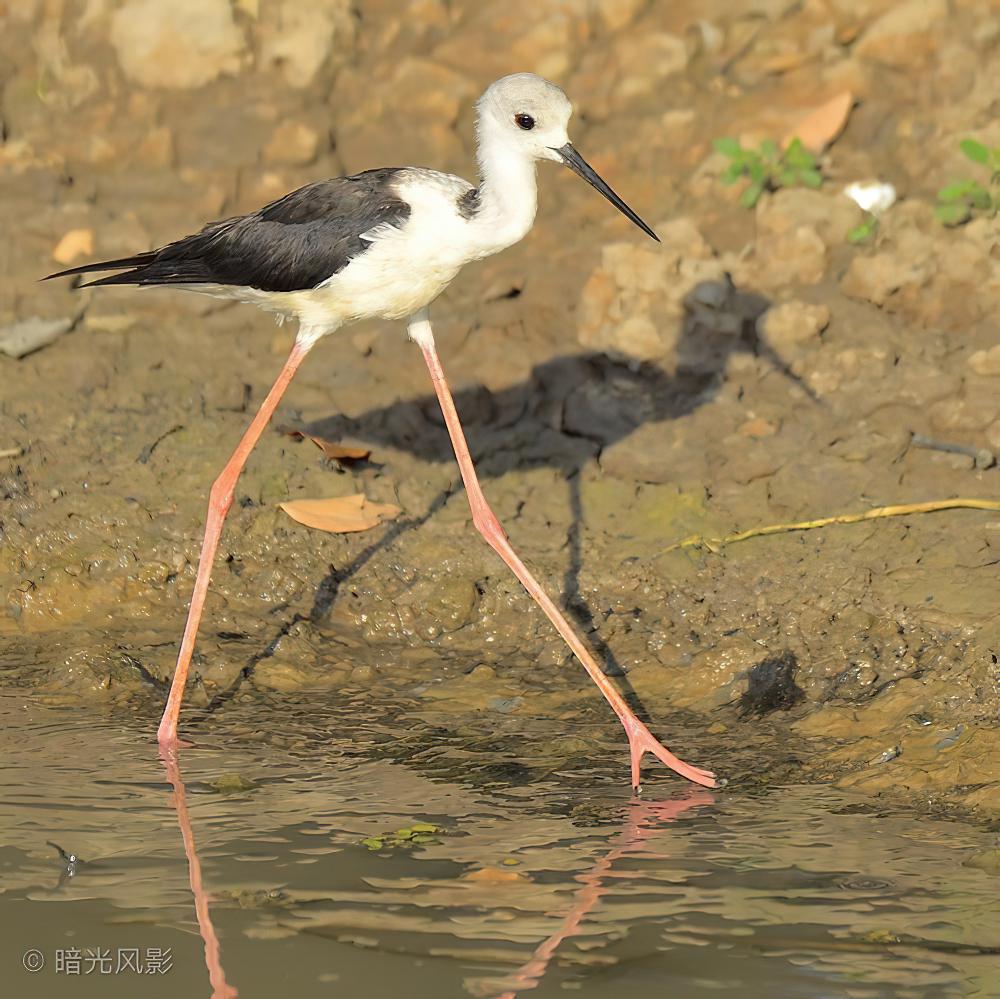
(960, 201)
(864, 230)
(768, 167)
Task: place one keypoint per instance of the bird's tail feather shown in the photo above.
(137, 261)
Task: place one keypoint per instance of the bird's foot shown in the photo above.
(642, 741)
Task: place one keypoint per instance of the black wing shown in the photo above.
(292, 244)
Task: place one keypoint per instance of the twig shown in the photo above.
(875, 513)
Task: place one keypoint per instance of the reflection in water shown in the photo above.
(793, 891)
(642, 819)
(213, 958)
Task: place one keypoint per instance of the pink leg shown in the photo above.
(640, 739)
(220, 500)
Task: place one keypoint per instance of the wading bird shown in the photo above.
(384, 243)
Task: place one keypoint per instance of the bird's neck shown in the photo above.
(508, 193)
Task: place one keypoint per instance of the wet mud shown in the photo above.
(619, 397)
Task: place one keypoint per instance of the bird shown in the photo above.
(384, 243)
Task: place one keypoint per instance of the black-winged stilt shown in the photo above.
(384, 243)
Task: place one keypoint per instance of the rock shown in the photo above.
(182, 44)
(792, 323)
(986, 362)
(617, 13)
(22, 338)
(293, 144)
(831, 215)
(76, 243)
(645, 59)
(907, 35)
(632, 305)
(157, 149)
(964, 414)
(877, 277)
(296, 38)
(795, 256)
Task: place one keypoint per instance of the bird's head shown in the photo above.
(525, 113)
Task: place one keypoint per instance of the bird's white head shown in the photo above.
(529, 116)
(526, 113)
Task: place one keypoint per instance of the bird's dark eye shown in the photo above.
(524, 121)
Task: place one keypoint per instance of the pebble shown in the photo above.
(182, 44)
(793, 323)
(985, 362)
(22, 338)
(76, 243)
(293, 143)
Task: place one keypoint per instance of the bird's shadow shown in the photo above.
(562, 416)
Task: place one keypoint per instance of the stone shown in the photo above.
(877, 277)
(985, 362)
(831, 215)
(24, 337)
(645, 59)
(296, 39)
(293, 143)
(907, 35)
(792, 323)
(795, 256)
(182, 44)
(964, 414)
(76, 243)
(633, 303)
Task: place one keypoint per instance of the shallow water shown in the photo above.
(553, 884)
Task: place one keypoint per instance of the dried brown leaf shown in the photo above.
(331, 449)
(340, 514)
(823, 124)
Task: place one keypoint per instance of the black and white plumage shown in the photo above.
(289, 245)
(383, 243)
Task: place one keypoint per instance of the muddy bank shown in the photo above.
(619, 396)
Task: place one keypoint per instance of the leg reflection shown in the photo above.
(213, 959)
(643, 820)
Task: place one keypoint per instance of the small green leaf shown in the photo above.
(728, 146)
(980, 198)
(863, 230)
(769, 149)
(751, 195)
(811, 178)
(731, 174)
(797, 155)
(956, 191)
(952, 214)
(756, 172)
(372, 842)
(425, 827)
(787, 176)
(975, 151)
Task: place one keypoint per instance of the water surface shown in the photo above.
(289, 865)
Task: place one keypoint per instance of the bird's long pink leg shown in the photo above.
(640, 739)
(219, 502)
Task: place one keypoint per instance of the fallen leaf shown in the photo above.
(493, 875)
(76, 243)
(341, 452)
(331, 449)
(823, 124)
(340, 514)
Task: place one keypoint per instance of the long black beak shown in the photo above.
(583, 169)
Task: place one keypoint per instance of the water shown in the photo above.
(546, 887)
